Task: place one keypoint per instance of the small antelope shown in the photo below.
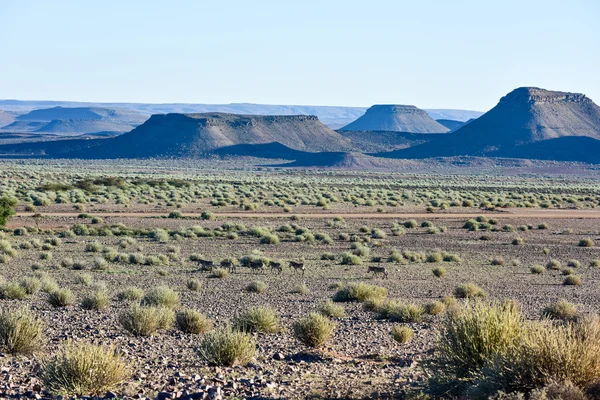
(206, 265)
(297, 266)
(257, 265)
(229, 265)
(378, 270)
(275, 266)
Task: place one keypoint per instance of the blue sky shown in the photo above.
(433, 54)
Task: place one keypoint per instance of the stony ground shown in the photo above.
(361, 361)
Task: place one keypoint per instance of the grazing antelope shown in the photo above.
(206, 265)
(275, 266)
(257, 265)
(378, 270)
(229, 265)
(297, 266)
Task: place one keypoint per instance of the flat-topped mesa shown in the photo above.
(534, 95)
(397, 118)
(215, 119)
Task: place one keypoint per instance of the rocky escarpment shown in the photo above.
(524, 116)
(192, 135)
(397, 118)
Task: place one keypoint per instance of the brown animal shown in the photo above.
(257, 265)
(229, 265)
(378, 270)
(206, 265)
(275, 266)
(297, 266)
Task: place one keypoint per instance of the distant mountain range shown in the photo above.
(527, 123)
(332, 116)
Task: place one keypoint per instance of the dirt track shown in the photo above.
(512, 213)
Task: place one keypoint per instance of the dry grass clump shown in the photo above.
(439, 272)
(554, 265)
(161, 296)
(469, 291)
(130, 294)
(359, 292)
(12, 291)
(194, 285)
(301, 289)
(402, 334)
(226, 347)
(399, 311)
(145, 321)
(61, 298)
(471, 335)
(84, 369)
(586, 243)
(191, 321)
(329, 309)
(537, 269)
(313, 330)
(258, 319)
(220, 273)
(256, 287)
(435, 307)
(573, 280)
(20, 332)
(561, 310)
(97, 300)
(30, 284)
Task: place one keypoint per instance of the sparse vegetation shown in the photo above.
(313, 330)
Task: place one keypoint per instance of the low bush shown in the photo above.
(537, 269)
(256, 287)
(561, 310)
(359, 292)
(97, 300)
(145, 321)
(61, 298)
(84, 369)
(313, 330)
(573, 280)
(191, 321)
(257, 319)
(330, 309)
(225, 347)
(220, 273)
(161, 296)
(402, 334)
(194, 285)
(130, 294)
(439, 272)
(586, 243)
(20, 332)
(469, 291)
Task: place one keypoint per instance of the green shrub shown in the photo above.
(350, 259)
(256, 287)
(20, 332)
(194, 285)
(469, 291)
(191, 321)
(573, 280)
(270, 239)
(586, 243)
(84, 369)
(401, 312)
(472, 335)
(561, 310)
(301, 289)
(61, 298)
(258, 319)
(161, 296)
(330, 309)
(402, 334)
(12, 291)
(30, 284)
(225, 347)
(554, 265)
(145, 321)
(313, 330)
(573, 264)
(537, 269)
(439, 272)
(97, 300)
(359, 292)
(435, 308)
(130, 294)
(220, 273)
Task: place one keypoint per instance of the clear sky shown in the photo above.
(433, 54)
